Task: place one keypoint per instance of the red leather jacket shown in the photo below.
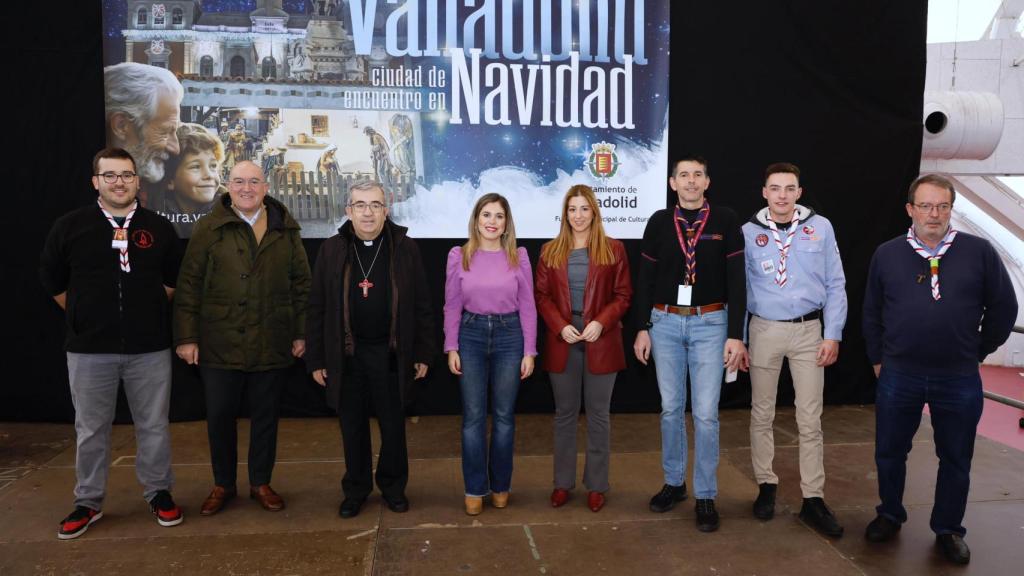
(605, 299)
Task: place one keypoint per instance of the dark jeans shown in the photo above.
(224, 389)
(955, 404)
(369, 379)
(491, 350)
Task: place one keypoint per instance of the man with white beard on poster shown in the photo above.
(142, 106)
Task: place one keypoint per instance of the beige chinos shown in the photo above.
(770, 342)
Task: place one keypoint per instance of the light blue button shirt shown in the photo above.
(814, 272)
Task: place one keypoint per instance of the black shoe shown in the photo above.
(397, 503)
(954, 548)
(815, 513)
(350, 507)
(78, 522)
(666, 499)
(764, 506)
(881, 529)
(707, 516)
(166, 511)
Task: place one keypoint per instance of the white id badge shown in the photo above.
(683, 297)
(768, 267)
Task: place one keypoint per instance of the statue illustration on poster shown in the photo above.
(379, 156)
(403, 154)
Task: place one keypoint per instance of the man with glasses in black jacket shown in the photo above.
(112, 267)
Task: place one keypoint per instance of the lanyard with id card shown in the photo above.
(688, 244)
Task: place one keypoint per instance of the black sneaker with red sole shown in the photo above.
(166, 511)
(78, 522)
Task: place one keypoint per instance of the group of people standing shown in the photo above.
(246, 305)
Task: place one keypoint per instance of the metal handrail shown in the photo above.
(1003, 399)
(1006, 399)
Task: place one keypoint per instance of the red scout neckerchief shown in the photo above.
(120, 241)
(780, 274)
(933, 261)
(689, 244)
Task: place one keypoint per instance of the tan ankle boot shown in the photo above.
(499, 499)
(474, 505)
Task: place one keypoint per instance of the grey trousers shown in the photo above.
(94, 381)
(597, 393)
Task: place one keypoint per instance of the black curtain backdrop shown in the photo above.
(833, 86)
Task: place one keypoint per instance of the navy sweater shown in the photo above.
(907, 330)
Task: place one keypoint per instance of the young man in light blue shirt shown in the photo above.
(795, 282)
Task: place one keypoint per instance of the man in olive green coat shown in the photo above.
(239, 314)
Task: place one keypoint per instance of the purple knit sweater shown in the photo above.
(490, 286)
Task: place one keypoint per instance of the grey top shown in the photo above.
(579, 261)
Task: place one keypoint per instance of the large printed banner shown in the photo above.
(438, 100)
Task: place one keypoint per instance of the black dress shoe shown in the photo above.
(815, 513)
(667, 498)
(397, 503)
(350, 507)
(707, 516)
(954, 548)
(881, 529)
(764, 506)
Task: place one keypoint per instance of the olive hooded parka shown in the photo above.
(243, 303)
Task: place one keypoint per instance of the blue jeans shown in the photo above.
(491, 350)
(955, 404)
(696, 343)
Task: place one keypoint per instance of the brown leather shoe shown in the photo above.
(267, 498)
(474, 505)
(216, 500)
(499, 499)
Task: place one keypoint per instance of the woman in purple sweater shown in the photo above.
(490, 329)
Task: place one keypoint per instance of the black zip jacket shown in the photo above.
(109, 311)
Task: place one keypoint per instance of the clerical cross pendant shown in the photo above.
(365, 285)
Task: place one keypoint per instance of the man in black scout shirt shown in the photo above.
(370, 335)
(112, 267)
(691, 267)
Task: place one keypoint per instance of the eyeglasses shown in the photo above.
(239, 183)
(927, 208)
(374, 207)
(111, 177)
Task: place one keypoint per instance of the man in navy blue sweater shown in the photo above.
(927, 328)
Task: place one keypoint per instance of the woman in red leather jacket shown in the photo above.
(583, 290)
